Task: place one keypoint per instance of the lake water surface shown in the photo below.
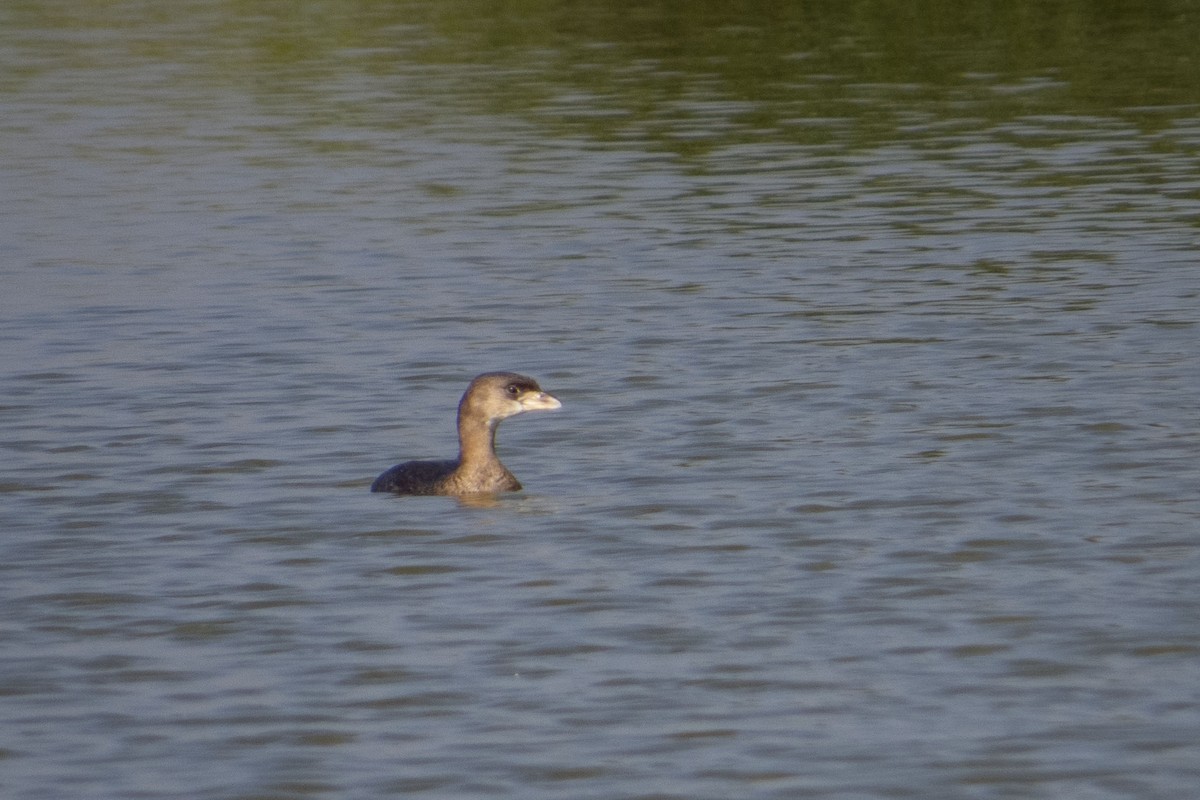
(876, 330)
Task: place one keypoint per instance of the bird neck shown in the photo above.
(476, 441)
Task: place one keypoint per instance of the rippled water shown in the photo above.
(876, 474)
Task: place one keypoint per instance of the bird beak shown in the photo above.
(538, 401)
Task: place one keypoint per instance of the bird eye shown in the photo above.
(513, 389)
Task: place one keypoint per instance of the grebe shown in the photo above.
(491, 397)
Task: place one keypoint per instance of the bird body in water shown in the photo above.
(490, 398)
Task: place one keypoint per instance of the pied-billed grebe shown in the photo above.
(491, 397)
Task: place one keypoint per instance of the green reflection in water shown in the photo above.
(681, 75)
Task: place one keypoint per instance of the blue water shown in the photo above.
(875, 476)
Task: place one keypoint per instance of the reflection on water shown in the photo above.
(875, 330)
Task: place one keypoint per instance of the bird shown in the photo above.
(489, 398)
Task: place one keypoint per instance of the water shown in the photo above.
(875, 332)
